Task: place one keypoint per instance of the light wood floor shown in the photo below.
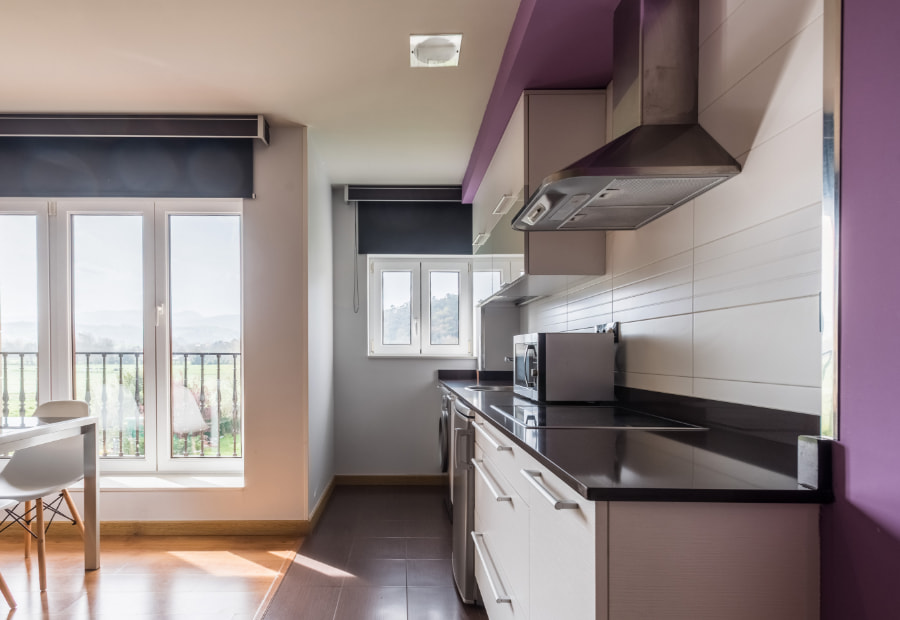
(142, 577)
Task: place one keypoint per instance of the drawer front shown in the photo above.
(567, 551)
(493, 582)
(508, 458)
(503, 522)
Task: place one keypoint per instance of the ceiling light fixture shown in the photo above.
(434, 50)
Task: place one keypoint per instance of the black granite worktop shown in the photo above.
(741, 455)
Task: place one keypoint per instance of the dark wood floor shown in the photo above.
(377, 552)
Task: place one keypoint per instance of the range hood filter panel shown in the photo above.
(614, 218)
(645, 191)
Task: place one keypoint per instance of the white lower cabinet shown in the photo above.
(548, 553)
(567, 544)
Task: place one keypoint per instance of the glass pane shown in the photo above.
(205, 322)
(107, 322)
(18, 315)
(396, 307)
(485, 284)
(444, 300)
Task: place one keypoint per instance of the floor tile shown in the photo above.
(386, 542)
(372, 604)
(378, 548)
(440, 604)
(375, 572)
(429, 573)
(309, 603)
(429, 548)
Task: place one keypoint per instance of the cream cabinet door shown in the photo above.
(567, 545)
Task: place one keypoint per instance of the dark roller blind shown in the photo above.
(414, 228)
(126, 167)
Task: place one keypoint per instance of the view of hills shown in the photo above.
(115, 331)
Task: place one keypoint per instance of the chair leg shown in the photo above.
(6, 593)
(41, 544)
(28, 506)
(73, 511)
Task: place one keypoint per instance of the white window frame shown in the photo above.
(55, 340)
(166, 462)
(420, 267)
(62, 339)
(40, 209)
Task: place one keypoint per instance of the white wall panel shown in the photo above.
(752, 33)
(713, 13)
(764, 343)
(658, 346)
(780, 176)
(660, 239)
(787, 397)
(770, 99)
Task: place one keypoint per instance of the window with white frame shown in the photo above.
(420, 306)
(135, 307)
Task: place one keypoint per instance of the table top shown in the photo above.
(17, 429)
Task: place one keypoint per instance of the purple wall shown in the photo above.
(553, 44)
(861, 531)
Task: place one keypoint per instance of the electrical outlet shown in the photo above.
(603, 328)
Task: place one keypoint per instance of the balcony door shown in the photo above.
(146, 327)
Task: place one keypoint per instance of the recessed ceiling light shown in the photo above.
(434, 50)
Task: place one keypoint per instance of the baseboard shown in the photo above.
(428, 480)
(317, 510)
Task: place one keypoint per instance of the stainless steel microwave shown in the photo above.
(564, 367)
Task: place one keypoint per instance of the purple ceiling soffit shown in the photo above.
(553, 44)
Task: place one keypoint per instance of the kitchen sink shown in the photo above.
(489, 388)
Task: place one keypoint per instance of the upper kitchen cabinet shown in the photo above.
(547, 131)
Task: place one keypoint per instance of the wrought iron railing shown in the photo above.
(20, 369)
(205, 399)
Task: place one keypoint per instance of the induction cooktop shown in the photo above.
(609, 417)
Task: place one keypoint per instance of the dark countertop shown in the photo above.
(714, 465)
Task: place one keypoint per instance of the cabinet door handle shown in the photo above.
(490, 570)
(558, 504)
(479, 426)
(479, 467)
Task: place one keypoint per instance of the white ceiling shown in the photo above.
(340, 67)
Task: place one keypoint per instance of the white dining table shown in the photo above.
(17, 433)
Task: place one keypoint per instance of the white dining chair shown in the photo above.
(43, 471)
(4, 589)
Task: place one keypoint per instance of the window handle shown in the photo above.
(416, 327)
(160, 312)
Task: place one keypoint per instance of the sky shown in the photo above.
(107, 271)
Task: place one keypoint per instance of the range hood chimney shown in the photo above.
(662, 157)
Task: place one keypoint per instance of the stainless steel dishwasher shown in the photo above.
(462, 449)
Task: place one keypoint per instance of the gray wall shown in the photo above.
(386, 410)
(320, 328)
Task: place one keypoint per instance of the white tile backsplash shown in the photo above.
(779, 177)
(719, 298)
(713, 13)
(753, 32)
(660, 239)
(788, 397)
(769, 100)
(776, 342)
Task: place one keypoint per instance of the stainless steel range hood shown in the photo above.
(662, 157)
